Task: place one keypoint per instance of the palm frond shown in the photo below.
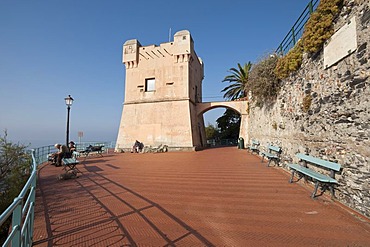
(239, 79)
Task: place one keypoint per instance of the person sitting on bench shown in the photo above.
(72, 146)
(63, 152)
(138, 146)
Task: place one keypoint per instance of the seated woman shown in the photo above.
(72, 146)
(73, 150)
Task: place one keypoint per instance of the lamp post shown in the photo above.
(69, 102)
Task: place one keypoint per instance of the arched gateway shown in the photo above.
(163, 96)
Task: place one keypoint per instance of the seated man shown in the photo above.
(138, 146)
(63, 152)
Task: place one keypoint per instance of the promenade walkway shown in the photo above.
(215, 197)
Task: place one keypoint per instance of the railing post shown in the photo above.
(293, 36)
(310, 7)
(16, 221)
(281, 50)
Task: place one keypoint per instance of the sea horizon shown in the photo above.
(34, 143)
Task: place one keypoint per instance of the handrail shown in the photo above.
(22, 209)
(296, 31)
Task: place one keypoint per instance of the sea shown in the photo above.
(31, 144)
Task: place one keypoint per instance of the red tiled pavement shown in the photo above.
(215, 197)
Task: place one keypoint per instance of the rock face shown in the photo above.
(326, 113)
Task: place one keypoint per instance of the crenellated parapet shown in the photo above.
(130, 56)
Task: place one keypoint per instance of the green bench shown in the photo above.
(92, 150)
(69, 165)
(254, 146)
(273, 154)
(319, 178)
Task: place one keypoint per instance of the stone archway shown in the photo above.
(239, 106)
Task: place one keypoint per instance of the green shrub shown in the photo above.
(14, 172)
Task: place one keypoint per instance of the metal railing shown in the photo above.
(22, 209)
(83, 145)
(296, 31)
(222, 142)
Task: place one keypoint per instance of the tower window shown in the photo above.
(150, 85)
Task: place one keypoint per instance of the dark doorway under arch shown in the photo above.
(225, 130)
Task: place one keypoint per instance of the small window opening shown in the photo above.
(150, 85)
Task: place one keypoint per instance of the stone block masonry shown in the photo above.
(326, 112)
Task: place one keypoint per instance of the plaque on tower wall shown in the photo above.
(341, 44)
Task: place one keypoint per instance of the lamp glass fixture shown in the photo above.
(69, 100)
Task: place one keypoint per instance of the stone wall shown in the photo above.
(326, 113)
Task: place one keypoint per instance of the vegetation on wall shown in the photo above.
(319, 27)
(263, 79)
(274, 125)
(264, 83)
(317, 30)
(290, 62)
(306, 103)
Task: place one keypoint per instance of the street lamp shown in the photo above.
(69, 102)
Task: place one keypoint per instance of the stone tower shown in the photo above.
(162, 87)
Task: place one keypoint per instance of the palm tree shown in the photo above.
(239, 79)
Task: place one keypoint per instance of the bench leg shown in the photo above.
(76, 170)
(315, 190)
(291, 178)
(86, 154)
(331, 187)
(268, 163)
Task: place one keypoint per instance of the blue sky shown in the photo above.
(50, 49)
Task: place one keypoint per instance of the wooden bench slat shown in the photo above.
(318, 176)
(320, 162)
(254, 146)
(276, 149)
(273, 153)
(70, 166)
(70, 161)
(270, 155)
